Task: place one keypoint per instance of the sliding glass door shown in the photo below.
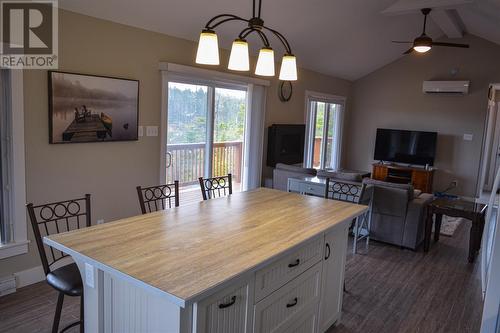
(324, 125)
(205, 134)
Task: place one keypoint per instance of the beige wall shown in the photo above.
(110, 171)
(392, 97)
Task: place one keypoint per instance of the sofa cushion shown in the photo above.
(341, 175)
(407, 187)
(296, 168)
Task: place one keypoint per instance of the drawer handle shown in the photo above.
(328, 251)
(296, 263)
(226, 305)
(294, 302)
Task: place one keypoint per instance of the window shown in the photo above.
(205, 134)
(13, 236)
(323, 131)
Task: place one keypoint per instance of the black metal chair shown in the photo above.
(53, 218)
(158, 197)
(216, 187)
(343, 190)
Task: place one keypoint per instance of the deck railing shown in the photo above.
(185, 162)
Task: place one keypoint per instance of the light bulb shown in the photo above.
(265, 62)
(422, 49)
(208, 48)
(239, 59)
(288, 71)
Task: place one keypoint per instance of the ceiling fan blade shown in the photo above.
(466, 46)
(409, 51)
(400, 41)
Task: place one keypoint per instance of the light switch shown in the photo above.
(467, 137)
(141, 130)
(151, 130)
(89, 275)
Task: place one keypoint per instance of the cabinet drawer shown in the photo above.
(313, 189)
(283, 270)
(294, 185)
(281, 308)
(226, 311)
(305, 322)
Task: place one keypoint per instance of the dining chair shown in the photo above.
(216, 187)
(53, 218)
(158, 197)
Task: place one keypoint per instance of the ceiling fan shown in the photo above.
(424, 43)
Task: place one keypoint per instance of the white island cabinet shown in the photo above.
(257, 261)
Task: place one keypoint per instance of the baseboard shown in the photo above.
(29, 276)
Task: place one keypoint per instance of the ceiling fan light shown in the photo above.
(239, 59)
(288, 71)
(422, 48)
(265, 62)
(208, 48)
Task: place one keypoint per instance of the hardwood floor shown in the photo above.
(394, 290)
(389, 290)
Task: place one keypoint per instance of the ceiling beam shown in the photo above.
(412, 6)
(448, 22)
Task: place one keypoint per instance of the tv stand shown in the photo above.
(420, 178)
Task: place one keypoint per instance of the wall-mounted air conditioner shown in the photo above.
(446, 87)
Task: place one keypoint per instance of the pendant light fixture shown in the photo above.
(208, 49)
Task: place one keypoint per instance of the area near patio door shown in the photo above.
(205, 135)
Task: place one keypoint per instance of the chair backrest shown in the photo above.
(216, 187)
(158, 197)
(342, 190)
(54, 218)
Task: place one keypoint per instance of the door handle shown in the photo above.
(293, 303)
(169, 159)
(328, 251)
(296, 263)
(226, 305)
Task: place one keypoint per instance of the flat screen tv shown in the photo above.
(285, 144)
(411, 147)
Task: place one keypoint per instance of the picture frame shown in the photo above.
(92, 108)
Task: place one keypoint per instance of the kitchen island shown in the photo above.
(256, 261)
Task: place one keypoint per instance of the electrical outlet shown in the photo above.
(454, 183)
(151, 130)
(100, 221)
(468, 137)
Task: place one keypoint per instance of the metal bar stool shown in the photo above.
(53, 218)
(216, 187)
(158, 197)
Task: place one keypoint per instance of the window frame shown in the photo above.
(310, 120)
(17, 187)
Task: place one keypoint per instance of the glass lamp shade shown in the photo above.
(288, 71)
(208, 48)
(422, 48)
(239, 59)
(265, 62)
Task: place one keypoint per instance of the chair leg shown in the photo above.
(82, 308)
(57, 315)
(356, 234)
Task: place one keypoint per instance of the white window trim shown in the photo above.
(327, 98)
(19, 243)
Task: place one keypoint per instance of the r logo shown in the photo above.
(27, 28)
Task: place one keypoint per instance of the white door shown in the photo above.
(332, 284)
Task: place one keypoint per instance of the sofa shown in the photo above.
(398, 213)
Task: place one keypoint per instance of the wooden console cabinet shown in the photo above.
(420, 178)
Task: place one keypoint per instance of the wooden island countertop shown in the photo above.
(184, 252)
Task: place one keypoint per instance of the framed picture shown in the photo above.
(91, 108)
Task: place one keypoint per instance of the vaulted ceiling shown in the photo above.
(342, 38)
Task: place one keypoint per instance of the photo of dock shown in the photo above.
(88, 108)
